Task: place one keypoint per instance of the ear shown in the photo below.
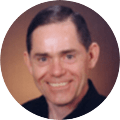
(93, 53)
(27, 61)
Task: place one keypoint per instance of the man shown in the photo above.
(59, 56)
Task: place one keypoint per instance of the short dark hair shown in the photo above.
(55, 14)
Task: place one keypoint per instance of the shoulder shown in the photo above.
(93, 98)
(37, 106)
(34, 102)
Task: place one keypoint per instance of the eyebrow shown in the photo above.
(40, 54)
(61, 52)
(67, 51)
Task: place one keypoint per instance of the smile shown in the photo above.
(58, 84)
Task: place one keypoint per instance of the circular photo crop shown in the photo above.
(60, 60)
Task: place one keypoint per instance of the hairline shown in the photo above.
(58, 22)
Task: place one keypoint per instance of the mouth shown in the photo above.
(58, 84)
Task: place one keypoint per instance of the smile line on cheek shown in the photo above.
(40, 80)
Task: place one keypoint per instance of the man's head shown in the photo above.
(60, 54)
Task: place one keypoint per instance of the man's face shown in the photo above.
(59, 62)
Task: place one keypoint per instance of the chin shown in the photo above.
(61, 101)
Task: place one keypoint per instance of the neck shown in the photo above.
(60, 112)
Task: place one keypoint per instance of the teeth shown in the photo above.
(58, 84)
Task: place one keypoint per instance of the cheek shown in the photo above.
(79, 69)
(39, 73)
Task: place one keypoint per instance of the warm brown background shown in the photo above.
(16, 76)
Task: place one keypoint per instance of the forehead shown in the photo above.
(55, 37)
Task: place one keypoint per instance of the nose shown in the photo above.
(57, 68)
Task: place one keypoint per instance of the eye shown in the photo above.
(69, 56)
(43, 59)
